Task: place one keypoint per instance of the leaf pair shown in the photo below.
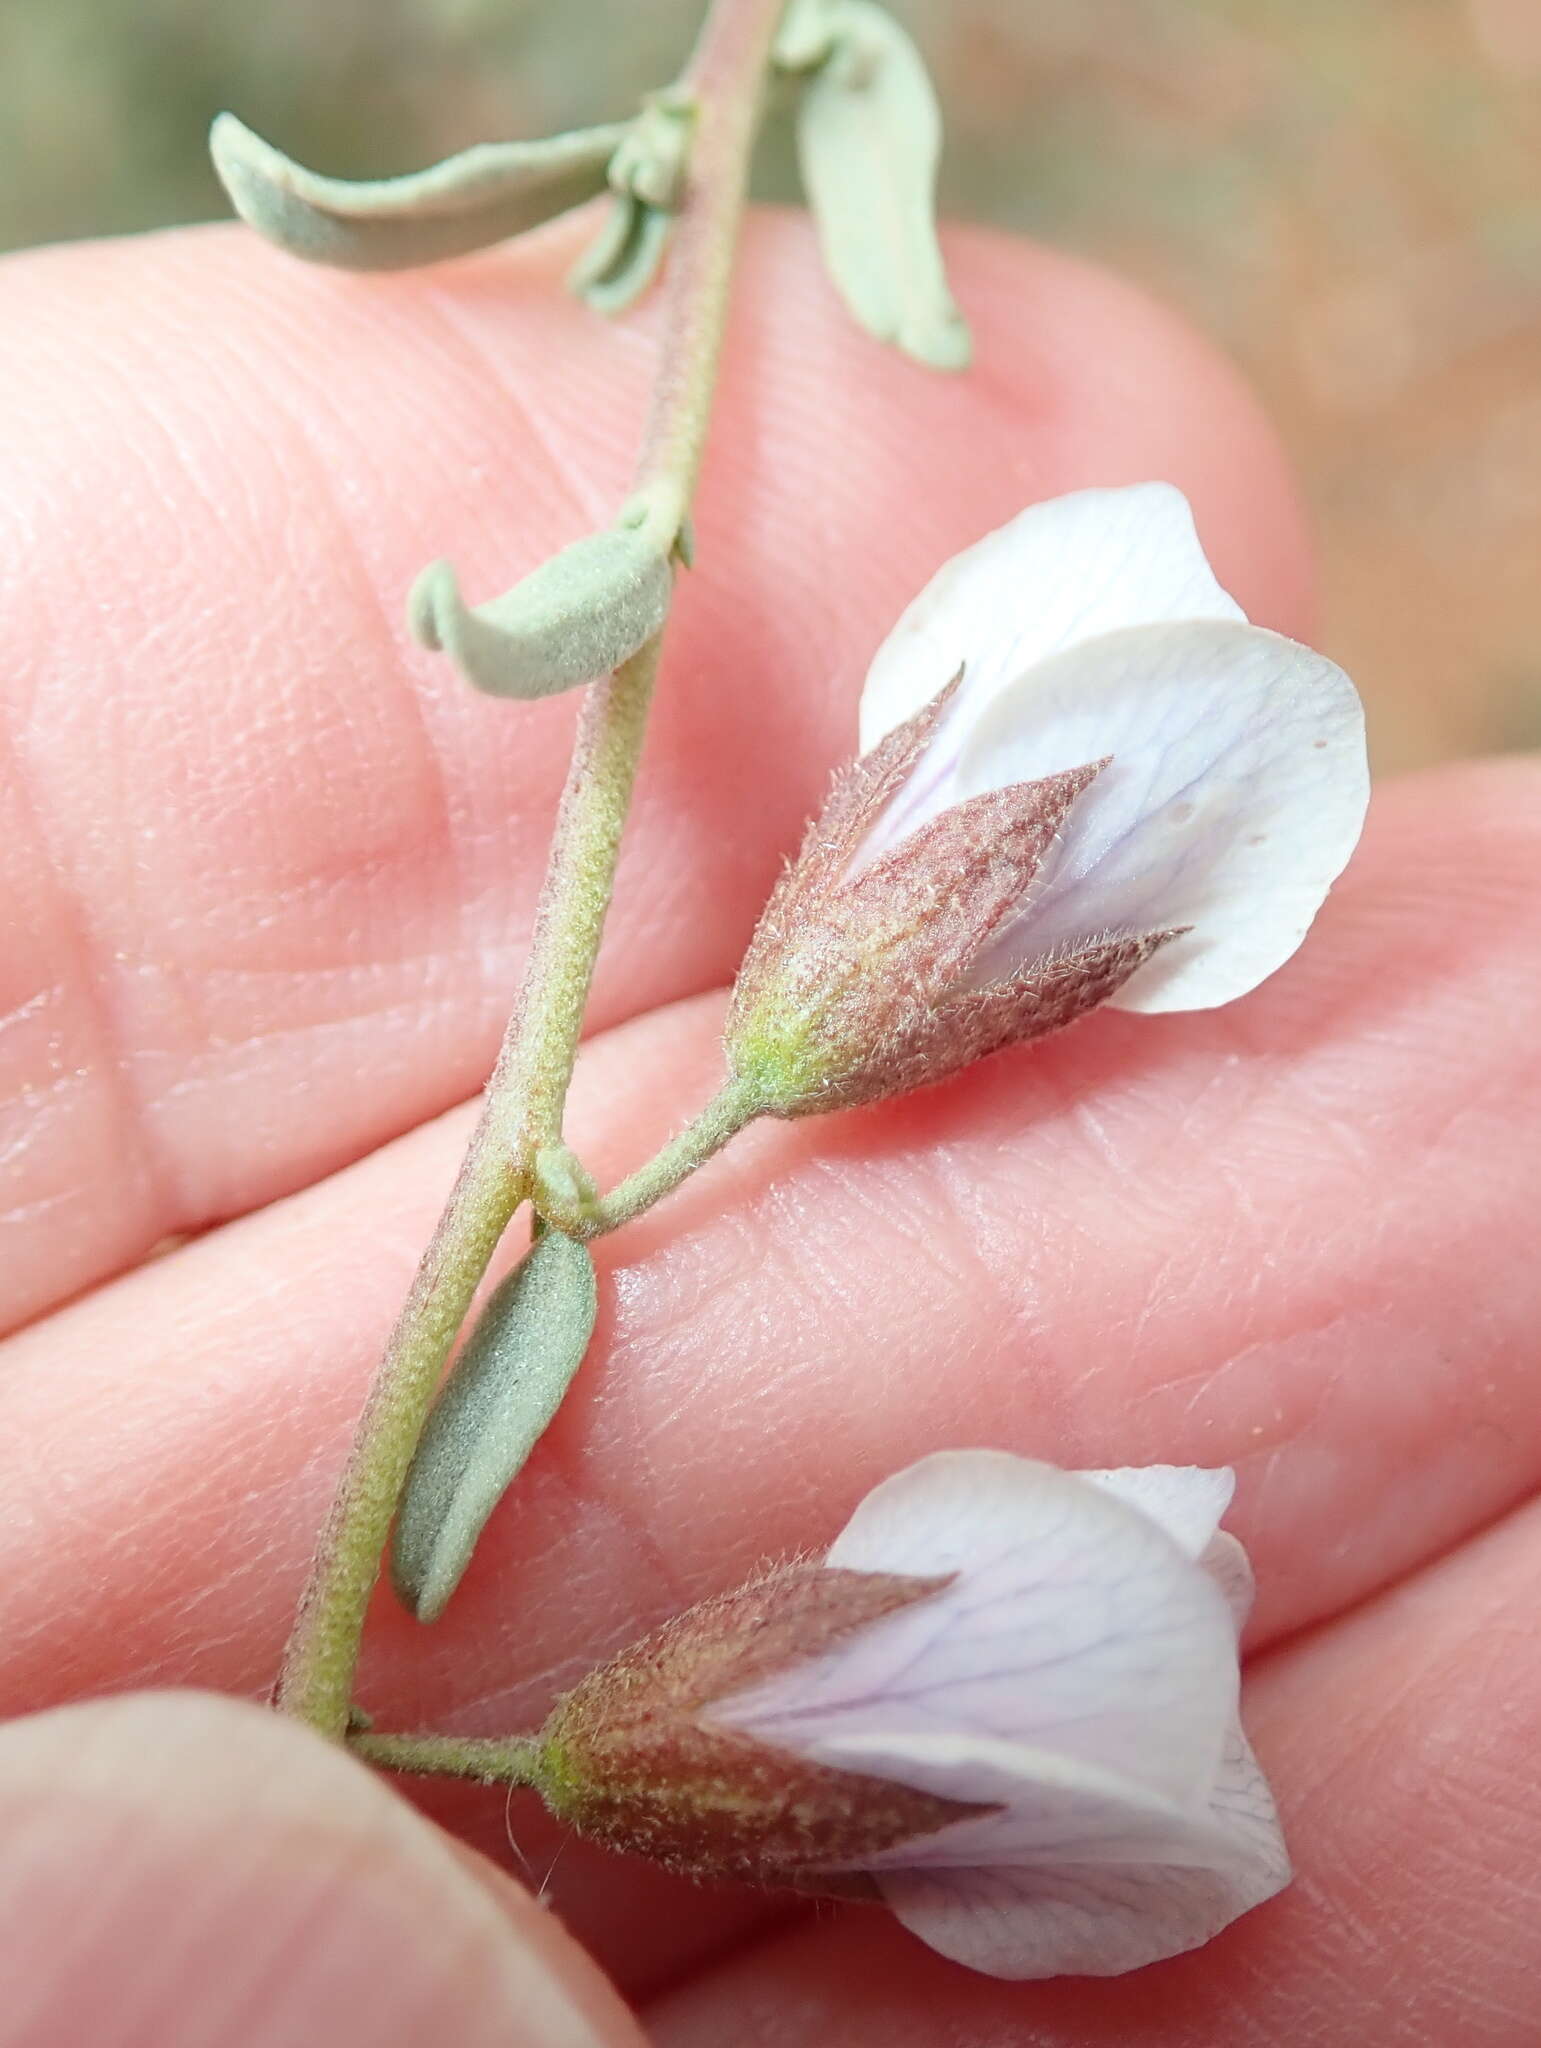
(593, 605)
(868, 134)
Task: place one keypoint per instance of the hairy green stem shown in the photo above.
(522, 1109)
(496, 1760)
(735, 1104)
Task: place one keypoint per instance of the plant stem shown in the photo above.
(522, 1109)
(499, 1760)
(733, 1106)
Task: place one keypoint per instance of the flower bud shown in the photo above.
(631, 1758)
(1127, 794)
(857, 986)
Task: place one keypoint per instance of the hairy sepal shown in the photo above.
(847, 964)
(926, 1045)
(632, 1759)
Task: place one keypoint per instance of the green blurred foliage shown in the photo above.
(1188, 116)
(104, 104)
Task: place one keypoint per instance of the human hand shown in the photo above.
(269, 872)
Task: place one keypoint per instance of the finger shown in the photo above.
(269, 869)
(180, 1872)
(1401, 1743)
(1254, 1236)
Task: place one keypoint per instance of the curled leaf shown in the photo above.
(647, 175)
(481, 196)
(492, 1410)
(575, 618)
(868, 137)
(623, 258)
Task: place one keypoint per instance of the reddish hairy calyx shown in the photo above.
(632, 1758)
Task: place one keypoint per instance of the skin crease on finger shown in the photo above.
(266, 869)
(1278, 1235)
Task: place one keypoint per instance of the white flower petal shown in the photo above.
(1084, 1918)
(1235, 795)
(1075, 1626)
(1186, 1500)
(1058, 573)
(1231, 1569)
(1243, 1804)
(1050, 1810)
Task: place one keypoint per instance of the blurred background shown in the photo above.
(1346, 193)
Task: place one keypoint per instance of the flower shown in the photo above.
(1125, 794)
(1077, 1677)
(1005, 1700)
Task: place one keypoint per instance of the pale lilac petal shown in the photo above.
(1075, 1626)
(1186, 1500)
(1235, 795)
(1058, 573)
(1049, 1810)
(1085, 1918)
(1243, 1804)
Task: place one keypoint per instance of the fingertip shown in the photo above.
(179, 1869)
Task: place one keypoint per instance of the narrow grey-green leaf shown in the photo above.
(622, 260)
(575, 618)
(868, 135)
(481, 196)
(492, 1410)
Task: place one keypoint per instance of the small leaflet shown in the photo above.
(647, 175)
(623, 259)
(869, 135)
(575, 618)
(492, 1410)
(483, 195)
(654, 155)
